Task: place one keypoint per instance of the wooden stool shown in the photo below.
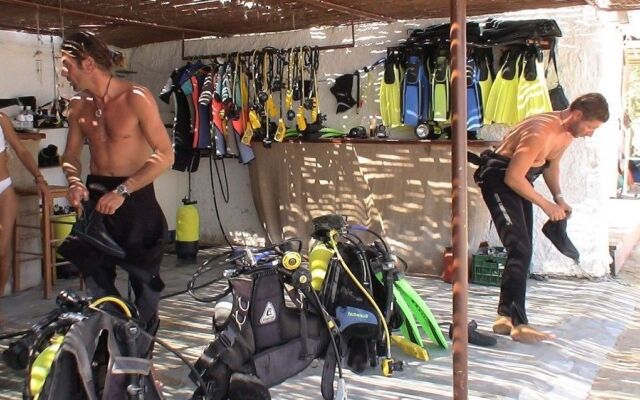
(49, 244)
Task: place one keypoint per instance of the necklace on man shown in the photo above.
(98, 112)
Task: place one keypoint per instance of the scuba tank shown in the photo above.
(318, 262)
(187, 229)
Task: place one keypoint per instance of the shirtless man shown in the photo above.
(129, 149)
(533, 147)
(8, 198)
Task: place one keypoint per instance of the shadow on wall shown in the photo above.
(400, 190)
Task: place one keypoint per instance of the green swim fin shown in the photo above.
(440, 89)
(420, 311)
(409, 327)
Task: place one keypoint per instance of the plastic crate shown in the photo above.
(487, 269)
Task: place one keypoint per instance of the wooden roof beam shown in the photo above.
(347, 10)
(122, 20)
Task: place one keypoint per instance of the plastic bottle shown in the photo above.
(21, 120)
(28, 118)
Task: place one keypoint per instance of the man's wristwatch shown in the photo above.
(123, 191)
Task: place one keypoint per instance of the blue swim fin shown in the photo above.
(474, 100)
(413, 88)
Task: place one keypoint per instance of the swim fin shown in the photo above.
(414, 311)
(415, 88)
(503, 98)
(420, 311)
(411, 348)
(390, 93)
(533, 95)
(485, 81)
(474, 100)
(440, 88)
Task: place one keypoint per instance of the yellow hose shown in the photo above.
(112, 299)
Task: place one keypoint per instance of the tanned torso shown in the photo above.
(117, 144)
(548, 125)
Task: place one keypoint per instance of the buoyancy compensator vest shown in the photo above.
(361, 304)
(260, 335)
(355, 316)
(94, 353)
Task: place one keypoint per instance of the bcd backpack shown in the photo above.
(257, 334)
(93, 354)
(361, 336)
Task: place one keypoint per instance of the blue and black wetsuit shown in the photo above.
(513, 217)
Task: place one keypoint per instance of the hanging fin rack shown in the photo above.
(250, 52)
(543, 43)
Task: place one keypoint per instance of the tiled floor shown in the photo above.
(594, 357)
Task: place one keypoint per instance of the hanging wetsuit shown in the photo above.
(513, 217)
(186, 158)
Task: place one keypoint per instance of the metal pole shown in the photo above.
(459, 196)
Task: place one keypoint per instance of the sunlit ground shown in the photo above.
(594, 357)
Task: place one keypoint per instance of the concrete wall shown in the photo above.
(590, 59)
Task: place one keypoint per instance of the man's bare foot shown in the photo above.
(525, 334)
(502, 325)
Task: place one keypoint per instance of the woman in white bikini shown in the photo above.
(8, 199)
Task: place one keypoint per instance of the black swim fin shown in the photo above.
(90, 228)
(556, 231)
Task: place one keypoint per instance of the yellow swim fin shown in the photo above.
(533, 95)
(410, 348)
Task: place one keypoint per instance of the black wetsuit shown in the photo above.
(140, 228)
(513, 217)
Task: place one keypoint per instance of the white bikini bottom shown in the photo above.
(4, 184)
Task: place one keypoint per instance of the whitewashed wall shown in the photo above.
(590, 59)
(27, 67)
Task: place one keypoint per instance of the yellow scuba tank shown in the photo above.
(187, 229)
(42, 365)
(318, 262)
